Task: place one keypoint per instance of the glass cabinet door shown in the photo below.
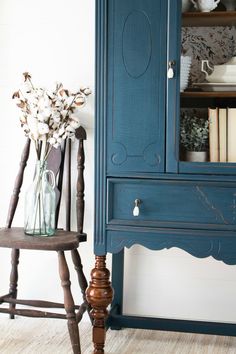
(205, 111)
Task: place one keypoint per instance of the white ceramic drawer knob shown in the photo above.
(137, 203)
(171, 73)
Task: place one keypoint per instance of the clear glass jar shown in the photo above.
(40, 203)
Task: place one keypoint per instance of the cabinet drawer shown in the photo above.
(175, 204)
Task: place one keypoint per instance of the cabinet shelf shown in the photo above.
(204, 94)
(209, 19)
(201, 99)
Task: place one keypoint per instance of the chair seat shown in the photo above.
(62, 241)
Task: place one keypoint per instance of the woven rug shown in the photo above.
(47, 336)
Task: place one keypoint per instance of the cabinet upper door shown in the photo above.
(137, 67)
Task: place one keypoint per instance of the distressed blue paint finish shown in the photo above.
(100, 127)
(137, 24)
(165, 324)
(221, 245)
(117, 277)
(136, 85)
(173, 204)
(208, 168)
(173, 87)
(186, 205)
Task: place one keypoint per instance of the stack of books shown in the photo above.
(222, 134)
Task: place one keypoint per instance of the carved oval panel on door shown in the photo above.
(136, 43)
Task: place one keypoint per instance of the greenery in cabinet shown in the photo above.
(194, 132)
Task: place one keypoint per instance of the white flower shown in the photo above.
(55, 135)
(74, 124)
(59, 140)
(48, 114)
(80, 101)
(41, 117)
(56, 145)
(70, 129)
(87, 91)
(17, 100)
(26, 87)
(52, 141)
(43, 128)
(34, 111)
(50, 94)
(47, 111)
(69, 100)
(33, 127)
(23, 119)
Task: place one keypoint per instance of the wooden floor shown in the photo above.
(40, 336)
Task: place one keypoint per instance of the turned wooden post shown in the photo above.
(18, 183)
(79, 270)
(81, 135)
(99, 295)
(15, 253)
(69, 303)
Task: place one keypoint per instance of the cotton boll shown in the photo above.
(47, 111)
(41, 117)
(58, 103)
(80, 101)
(43, 128)
(56, 145)
(52, 141)
(69, 100)
(33, 126)
(87, 91)
(48, 114)
(70, 129)
(56, 117)
(55, 135)
(74, 124)
(26, 87)
(59, 140)
(23, 119)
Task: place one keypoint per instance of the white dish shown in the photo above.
(225, 73)
(216, 86)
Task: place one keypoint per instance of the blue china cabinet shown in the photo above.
(145, 194)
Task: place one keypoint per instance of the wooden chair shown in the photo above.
(64, 240)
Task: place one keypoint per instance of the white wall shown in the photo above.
(54, 41)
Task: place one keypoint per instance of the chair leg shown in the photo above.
(81, 277)
(69, 303)
(15, 254)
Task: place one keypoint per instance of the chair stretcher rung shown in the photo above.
(82, 309)
(35, 303)
(32, 313)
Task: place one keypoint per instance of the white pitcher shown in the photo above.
(205, 5)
